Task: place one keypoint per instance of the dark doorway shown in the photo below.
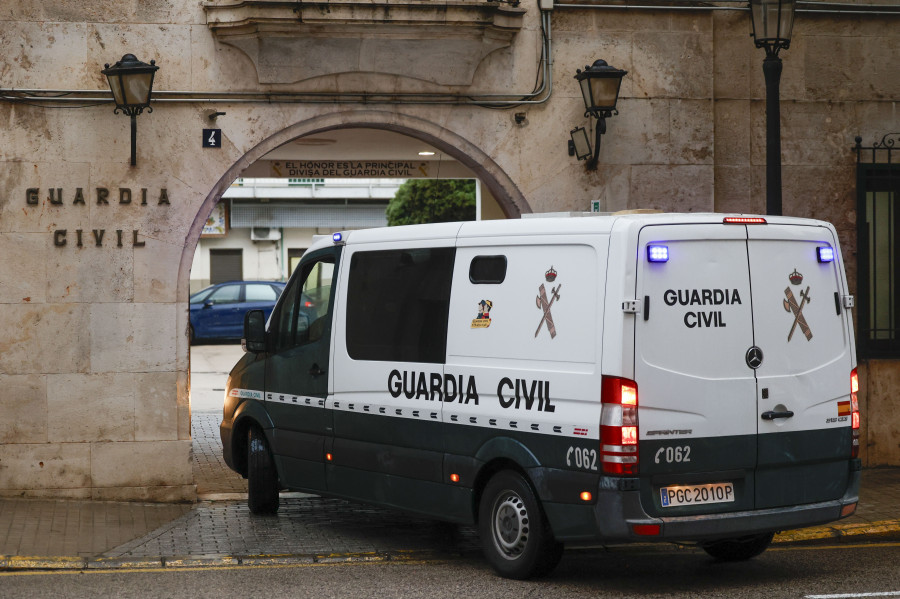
(225, 265)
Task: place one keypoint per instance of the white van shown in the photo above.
(606, 379)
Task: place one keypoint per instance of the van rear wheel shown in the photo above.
(515, 536)
(736, 550)
(262, 479)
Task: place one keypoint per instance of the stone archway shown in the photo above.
(501, 186)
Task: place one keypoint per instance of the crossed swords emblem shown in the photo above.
(543, 304)
(791, 305)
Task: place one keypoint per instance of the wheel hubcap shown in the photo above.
(510, 525)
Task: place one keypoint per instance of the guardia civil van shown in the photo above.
(562, 380)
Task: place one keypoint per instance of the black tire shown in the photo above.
(737, 550)
(262, 479)
(515, 536)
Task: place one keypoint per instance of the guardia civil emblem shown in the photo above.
(544, 304)
(790, 305)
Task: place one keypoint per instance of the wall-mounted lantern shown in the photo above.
(600, 85)
(131, 83)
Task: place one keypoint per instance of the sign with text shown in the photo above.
(357, 169)
(86, 198)
(321, 169)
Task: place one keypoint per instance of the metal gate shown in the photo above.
(878, 227)
(225, 265)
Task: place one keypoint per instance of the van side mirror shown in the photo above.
(254, 332)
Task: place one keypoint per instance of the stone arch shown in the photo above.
(485, 168)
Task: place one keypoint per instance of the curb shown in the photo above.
(25, 563)
(882, 527)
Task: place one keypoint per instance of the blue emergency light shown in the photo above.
(658, 253)
(337, 237)
(825, 254)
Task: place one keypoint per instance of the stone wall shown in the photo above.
(93, 335)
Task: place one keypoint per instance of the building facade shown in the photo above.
(96, 255)
(260, 228)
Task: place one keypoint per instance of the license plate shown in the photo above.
(696, 494)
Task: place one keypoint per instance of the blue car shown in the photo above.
(217, 312)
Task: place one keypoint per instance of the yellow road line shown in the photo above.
(347, 562)
(841, 546)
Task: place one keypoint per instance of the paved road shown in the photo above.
(210, 365)
(646, 572)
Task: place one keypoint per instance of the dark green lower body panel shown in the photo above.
(768, 471)
(436, 500)
(802, 467)
(619, 509)
(435, 469)
(300, 475)
(572, 523)
(299, 458)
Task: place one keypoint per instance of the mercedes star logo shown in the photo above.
(754, 357)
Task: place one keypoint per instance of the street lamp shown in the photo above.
(600, 85)
(772, 21)
(131, 83)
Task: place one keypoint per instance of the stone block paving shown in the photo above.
(879, 496)
(211, 474)
(305, 525)
(312, 525)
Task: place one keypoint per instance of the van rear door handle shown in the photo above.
(773, 415)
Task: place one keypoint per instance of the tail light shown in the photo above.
(619, 426)
(854, 412)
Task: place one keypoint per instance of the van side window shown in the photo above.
(304, 313)
(487, 269)
(397, 304)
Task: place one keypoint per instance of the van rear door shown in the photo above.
(743, 359)
(804, 378)
(697, 407)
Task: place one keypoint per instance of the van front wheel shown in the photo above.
(262, 479)
(514, 533)
(736, 550)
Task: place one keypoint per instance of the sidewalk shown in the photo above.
(307, 529)
(878, 511)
